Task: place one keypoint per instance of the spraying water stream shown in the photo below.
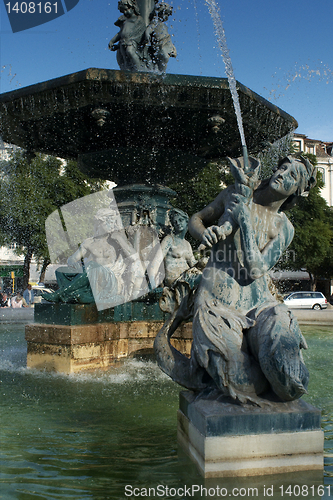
(222, 41)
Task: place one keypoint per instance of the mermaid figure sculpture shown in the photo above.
(245, 342)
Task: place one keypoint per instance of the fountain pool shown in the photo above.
(89, 435)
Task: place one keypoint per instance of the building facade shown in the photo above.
(324, 153)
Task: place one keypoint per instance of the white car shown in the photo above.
(306, 300)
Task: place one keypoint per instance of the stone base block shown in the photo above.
(71, 348)
(228, 440)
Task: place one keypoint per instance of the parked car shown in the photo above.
(305, 300)
(38, 289)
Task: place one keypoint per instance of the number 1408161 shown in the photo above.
(32, 7)
(304, 490)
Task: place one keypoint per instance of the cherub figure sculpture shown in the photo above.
(177, 252)
(161, 47)
(143, 42)
(130, 37)
(182, 270)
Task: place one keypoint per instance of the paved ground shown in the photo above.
(304, 316)
(310, 317)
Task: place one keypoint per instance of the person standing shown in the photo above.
(29, 296)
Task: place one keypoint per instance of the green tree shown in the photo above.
(31, 188)
(194, 194)
(273, 153)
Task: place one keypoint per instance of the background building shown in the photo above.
(324, 154)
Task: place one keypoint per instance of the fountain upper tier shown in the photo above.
(138, 127)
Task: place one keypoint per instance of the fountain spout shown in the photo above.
(246, 158)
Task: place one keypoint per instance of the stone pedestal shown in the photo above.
(227, 440)
(68, 338)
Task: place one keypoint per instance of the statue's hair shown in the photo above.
(110, 212)
(164, 8)
(175, 211)
(130, 3)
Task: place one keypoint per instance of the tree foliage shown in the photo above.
(196, 193)
(31, 188)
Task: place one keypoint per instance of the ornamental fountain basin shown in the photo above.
(164, 127)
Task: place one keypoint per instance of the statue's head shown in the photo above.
(304, 174)
(125, 5)
(164, 10)
(107, 220)
(179, 220)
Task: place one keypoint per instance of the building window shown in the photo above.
(298, 146)
(311, 149)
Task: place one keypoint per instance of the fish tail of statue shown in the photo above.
(279, 342)
(172, 362)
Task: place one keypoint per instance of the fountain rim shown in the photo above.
(143, 78)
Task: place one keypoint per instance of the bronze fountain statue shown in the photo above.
(143, 45)
(245, 342)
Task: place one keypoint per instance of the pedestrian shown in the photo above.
(4, 300)
(18, 301)
(29, 295)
